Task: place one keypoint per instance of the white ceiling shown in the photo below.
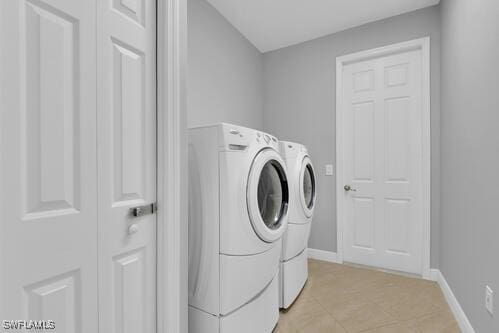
(272, 24)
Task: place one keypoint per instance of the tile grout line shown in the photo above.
(367, 302)
(328, 313)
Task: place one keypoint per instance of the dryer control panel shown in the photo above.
(292, 149)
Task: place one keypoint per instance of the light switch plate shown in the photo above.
(329, 169)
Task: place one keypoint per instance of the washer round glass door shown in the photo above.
(307, 186)
(267, 195)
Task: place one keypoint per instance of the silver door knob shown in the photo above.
(349, 188)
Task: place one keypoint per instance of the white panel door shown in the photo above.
(383, 161)
(77, 150)
(126, 97)
(48, 188)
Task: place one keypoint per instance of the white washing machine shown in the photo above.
(238, 211)
(302, 196)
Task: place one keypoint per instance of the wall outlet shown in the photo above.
(489, 299)
(329, 169)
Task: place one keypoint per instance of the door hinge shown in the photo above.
(143, 210)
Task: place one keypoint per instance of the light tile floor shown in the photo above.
(340, 298)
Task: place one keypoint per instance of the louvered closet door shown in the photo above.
(48, 167)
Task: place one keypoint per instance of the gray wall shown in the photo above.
(299, 103)
(470, 155)
(225, 73)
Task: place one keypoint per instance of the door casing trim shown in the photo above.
(172, 237)
(422, 44)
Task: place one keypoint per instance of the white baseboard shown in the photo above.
(461, 318)
(322, 255)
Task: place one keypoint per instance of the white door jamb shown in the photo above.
(172, 234)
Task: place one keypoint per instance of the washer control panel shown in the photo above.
(239, 138)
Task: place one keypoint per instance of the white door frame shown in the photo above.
(422, 44)
(171, 312)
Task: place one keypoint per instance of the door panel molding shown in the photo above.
(48, 205)
(397, 79)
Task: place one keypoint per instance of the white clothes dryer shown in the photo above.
(238, 211)
(302, 198)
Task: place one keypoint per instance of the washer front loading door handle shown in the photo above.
(349, 188)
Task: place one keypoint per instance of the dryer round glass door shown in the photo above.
(307, 186)
(268, 195)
